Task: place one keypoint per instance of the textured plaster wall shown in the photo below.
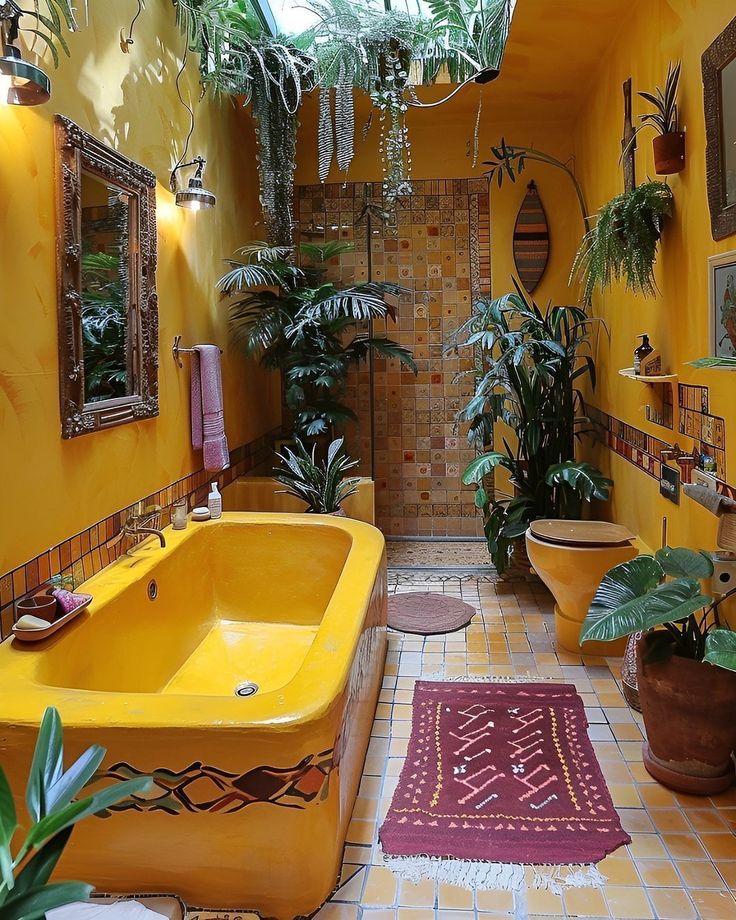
(54, 488)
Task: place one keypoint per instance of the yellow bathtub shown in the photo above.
(252, 795)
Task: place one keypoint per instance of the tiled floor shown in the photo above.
(681, 864)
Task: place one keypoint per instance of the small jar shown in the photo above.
(179, 518)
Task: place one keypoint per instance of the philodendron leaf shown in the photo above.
(34, 903)
(583, 478)
(720, 649)
(678, 562)
(483, 465)
(650, 604)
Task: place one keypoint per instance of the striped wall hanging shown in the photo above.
(531, 240)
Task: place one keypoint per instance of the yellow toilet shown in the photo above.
(571, 558)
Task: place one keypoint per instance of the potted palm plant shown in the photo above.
(320, 484)
(294, 320)
(623, 243)
(533, 364)
(686, 664)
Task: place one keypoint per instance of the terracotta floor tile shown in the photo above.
(415, 913)
(380, 888)
(671, 904)
(706, 819)
(719, 846)
(669, 821)
(624, 795)
(647, 845)
(683, 846)
(656, 796)
(337, 912)
(658, 873)
(620, 869)
(628, 903)
(714, 905)
(419, 894)
(451, 897)
(698, 873)
(494, 901)
(585, 902)
(544, 902)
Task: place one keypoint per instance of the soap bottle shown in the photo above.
(641, 352)
(214, 502)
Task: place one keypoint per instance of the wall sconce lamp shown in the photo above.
(194, 196)
(21, 83)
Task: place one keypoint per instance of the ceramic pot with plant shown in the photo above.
(322, 485)
(534, 363)
(686, 665)
(669, 143)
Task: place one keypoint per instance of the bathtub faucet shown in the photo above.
(135, 526)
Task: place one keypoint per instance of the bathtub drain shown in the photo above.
(246, 688)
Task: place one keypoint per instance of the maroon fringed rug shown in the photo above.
(504, 773)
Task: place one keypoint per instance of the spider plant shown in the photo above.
(56, 800)
(322, 486)
(306, 327)
(533, 363)
(664, 119)
(623, 243)
(663, 590)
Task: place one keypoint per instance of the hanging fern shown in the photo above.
(326, 142)
(344, 117)
(623, 243)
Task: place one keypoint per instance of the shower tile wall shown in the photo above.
(436, 244)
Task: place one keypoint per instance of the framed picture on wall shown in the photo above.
(722, 298)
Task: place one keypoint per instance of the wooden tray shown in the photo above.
(43, 632)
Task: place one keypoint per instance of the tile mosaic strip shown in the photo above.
(84, 554)
(695, 421)
(437, 245)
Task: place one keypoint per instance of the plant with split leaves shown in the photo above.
(534, 362)
(292, 319)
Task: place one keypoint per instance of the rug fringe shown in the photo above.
(489, 876)
(502, 679)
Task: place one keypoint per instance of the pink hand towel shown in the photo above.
(208, 420)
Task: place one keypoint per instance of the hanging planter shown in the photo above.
(669, 153)
(669, 144)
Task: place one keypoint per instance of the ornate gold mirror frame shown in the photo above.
(78, 152)
(715, 58)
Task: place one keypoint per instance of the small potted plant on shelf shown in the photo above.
(623, 244)
(686, 664)
(321, 484)
(669, 144)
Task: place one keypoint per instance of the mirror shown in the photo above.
(108, 312)
(719, 88)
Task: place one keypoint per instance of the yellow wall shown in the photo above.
(657, 32)
(54, 488)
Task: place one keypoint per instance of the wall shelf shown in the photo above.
(628, 372)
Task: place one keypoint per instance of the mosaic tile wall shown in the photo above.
(86, 553)
(437, 245)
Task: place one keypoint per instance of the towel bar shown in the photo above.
(177, 349)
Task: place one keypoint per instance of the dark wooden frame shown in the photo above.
(77, 151)
(720, 53)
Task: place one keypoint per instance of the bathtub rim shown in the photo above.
(309, 695)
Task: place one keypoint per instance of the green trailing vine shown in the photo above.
(623, 244)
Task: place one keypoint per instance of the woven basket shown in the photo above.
(628, 672)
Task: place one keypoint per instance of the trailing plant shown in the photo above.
(533, 364)
(56, 800)
(665, 118)
(322, 485)
(52, 19)
(663, 590)
(308, 328)
(271, 73)
(510, 161)
(623, 243)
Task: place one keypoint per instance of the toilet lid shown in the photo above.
(581, 533)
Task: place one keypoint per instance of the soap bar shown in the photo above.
(27, 621)
(201, 514)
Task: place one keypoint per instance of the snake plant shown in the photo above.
(56, 800)
(663, 590)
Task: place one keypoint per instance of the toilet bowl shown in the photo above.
(571, 558)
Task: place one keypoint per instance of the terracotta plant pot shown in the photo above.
(41, 605)
(669, 153)
(688, 708)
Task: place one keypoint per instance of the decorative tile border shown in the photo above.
(89, 551)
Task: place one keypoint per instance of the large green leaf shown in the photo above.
(37, 871)
(583, 478)
(630, 598)
(34, 903)
(679, 562)
(47, 764)
(483, 465)
(71, 783)
(8, 825)
(720, 648)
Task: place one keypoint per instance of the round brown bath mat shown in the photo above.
(428, 614)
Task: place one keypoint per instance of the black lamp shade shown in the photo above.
(23, 83)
